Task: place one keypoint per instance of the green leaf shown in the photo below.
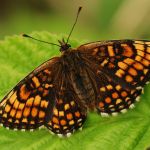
(18, 57)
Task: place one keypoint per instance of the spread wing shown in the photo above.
(118, 63)
(31, 101)
(44, 98)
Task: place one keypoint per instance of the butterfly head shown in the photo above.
(64, 46)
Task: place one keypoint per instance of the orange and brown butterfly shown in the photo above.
(107, 76)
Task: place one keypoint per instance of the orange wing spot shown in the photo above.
(111, 65)
(12, 98)
(16, 104)
(139, 42)
(102, 89)
(109, 87)
(47, 71)
(40, 89)
(41, 114)
(55, 110)
(10, 120)
(72, 103)
(61, 113)
(107, 99)
(129, 102)
(101, 104)
(145, 71)
(128, 78)
(124, 94)
(24, 120)
(46, 92)
(138, 66)
(104, 62)
(148, 43)
(12, 113)
(44, 104)
(32, 122)
(147, 56)
(7, 108)
(141, 53)
(60, 101)
(141, 78)
(138, 58)
(115, 95)
(37, 100)
(24, 93)
(50, 123)
(118, 87)
(34, 112)
(5, 115)
(18, 114)
(55, 120)
(3, 102)
(65, 127)
(10, 94)
(48, 85)
(139, 47)
(122, 65)
(56, 126)
(77, 114)
(148, 49)
(121, 106)
(128, 52)
(21, 106)
(129, 61)
(66, 106)
(145, 62)
(111, 106)
(63, 122)
(127, 99)
(132, 71)
(95, 51)
(120, 73)
(111, 51)
(29, 102)
(36, 81)
(71, 122)
(17, 121)
(26, 112)
(69, 116)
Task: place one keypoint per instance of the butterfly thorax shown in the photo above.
(76, 72)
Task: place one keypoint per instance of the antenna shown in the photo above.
(79, 10)
(27, 36)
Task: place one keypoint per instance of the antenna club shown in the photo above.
(80, 8)
(24, 35)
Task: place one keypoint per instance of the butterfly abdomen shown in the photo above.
(83, 88)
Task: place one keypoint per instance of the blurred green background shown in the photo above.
(99, 20)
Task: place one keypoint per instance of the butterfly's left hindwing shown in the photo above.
(28, 104)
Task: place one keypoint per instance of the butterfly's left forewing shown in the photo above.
(31, 101)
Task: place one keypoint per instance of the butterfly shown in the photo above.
(106, 76)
